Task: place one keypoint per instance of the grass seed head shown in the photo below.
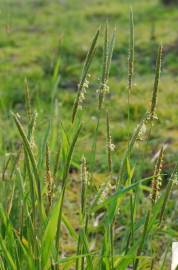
(49, 180)
(83, 93)
(107, 57)
(152, 114)
(83, 81)
(157, 178)
(84, 184)
(131, 52)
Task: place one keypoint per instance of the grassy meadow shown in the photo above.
(88, 141)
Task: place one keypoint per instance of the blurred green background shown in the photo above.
(37, 37)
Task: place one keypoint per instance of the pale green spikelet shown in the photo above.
(49, 180)
(83, 92)
(157, 179)
(84, 184)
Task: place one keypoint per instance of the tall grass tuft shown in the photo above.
(116, 223)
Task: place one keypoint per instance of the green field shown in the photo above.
(54, 215)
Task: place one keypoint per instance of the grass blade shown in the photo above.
(7, 254)
(142, 240)
(49, 236)
(32, 159)
(64, 181)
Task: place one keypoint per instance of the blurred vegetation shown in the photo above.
(169, 2)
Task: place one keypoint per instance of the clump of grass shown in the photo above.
(113, 231)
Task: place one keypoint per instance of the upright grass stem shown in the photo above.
(84, 184)
(83, 213)
(57, 161)
(130, 64)
(109, 144)
(28, 101)
(131, 144)
(94, 144)
(131, 55)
